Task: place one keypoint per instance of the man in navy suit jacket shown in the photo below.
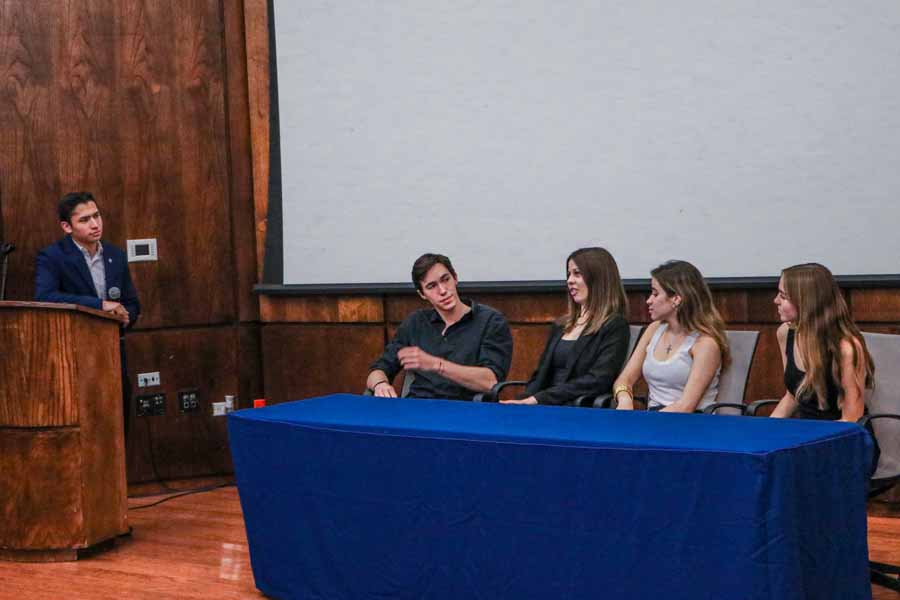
(79, 269)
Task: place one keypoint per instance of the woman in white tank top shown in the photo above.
(683, 351)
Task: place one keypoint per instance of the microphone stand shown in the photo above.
(5, 251)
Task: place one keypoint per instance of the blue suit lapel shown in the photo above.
(76, 260)
(112, 270)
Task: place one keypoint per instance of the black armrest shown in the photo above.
(604, 401)
(590, 401)
(751, 408)
(494, 394)
(712, 408)
(864, 420)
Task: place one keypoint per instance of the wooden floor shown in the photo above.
(195, 547)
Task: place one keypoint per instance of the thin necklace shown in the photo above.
(669, 345)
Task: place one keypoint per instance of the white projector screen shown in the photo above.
(741, 136)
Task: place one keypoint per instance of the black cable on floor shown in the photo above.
(179, 495)
(156, 474)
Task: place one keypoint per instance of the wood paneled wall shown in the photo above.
(145, 103)
(161, 108)
(353, 329)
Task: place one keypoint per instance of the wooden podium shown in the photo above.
(62, 450)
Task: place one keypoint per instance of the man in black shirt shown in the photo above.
(456, 348)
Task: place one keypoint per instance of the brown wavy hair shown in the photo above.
(823, 321)
(606, 294)
(697, 311)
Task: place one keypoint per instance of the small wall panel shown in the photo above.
(302, 361)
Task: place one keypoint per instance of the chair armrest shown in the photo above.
(494, 394)
(864, 420)
(590, 401)
(712, 408)
(603, 401)
(751, 408)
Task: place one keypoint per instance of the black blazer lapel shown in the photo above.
(547, 358)
(580, 346)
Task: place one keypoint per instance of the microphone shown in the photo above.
(114, 293)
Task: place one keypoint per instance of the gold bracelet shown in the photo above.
(622, 387)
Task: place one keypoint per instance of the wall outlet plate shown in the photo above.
(219, 409)
(148, 379)
(188, 400)
(151, 405)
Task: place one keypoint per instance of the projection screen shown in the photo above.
(742, 136)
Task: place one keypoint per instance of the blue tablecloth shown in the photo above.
(359, 497)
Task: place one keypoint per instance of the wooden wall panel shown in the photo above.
(528, 343)
(875, 305)
(761, 306)
(249, 358)
(321, 309)
(302, 361)
(256, 29)
(183, 445)
(35, 57)
(174, 151)
(240, 161)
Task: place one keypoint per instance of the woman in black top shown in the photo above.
(826, 364)
(587, 346)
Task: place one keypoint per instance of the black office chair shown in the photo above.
(883, 422)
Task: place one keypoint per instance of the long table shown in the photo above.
(359, 497)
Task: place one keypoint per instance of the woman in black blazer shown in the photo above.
(587, 347)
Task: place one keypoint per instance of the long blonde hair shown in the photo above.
(606, 294)
(823, 321)
(697, 312)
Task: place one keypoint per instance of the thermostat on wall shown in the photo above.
(141, 250)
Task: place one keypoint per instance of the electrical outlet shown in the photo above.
(148, 379)
(219, 409)
(151, 405)
(188, 400)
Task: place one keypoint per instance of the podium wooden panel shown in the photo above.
(62, 454)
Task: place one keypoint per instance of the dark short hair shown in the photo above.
(70, 201)
(424, 263)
